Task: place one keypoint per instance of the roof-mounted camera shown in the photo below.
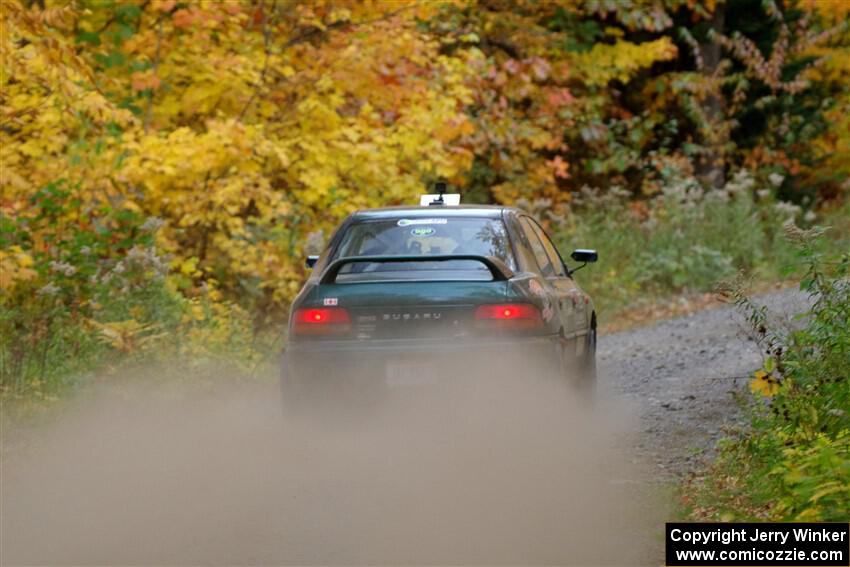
(441, 198)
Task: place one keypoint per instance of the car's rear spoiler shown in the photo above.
(500, 270)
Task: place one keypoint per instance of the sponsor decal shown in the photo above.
(422, 231)
(409, 222)
(331, 301)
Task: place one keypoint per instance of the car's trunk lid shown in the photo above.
(410, 309)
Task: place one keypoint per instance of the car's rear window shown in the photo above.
(435, 236)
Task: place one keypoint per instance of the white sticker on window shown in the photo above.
(331, 301)
(408, 222)
(422, 231)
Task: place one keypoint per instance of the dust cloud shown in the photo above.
(475, 469)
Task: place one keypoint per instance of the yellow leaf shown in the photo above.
(25, 260)
(189, 267)
(198, 312)
(764, 384)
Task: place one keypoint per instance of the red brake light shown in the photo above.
(512, 311)
(321, 321)
(512, 317)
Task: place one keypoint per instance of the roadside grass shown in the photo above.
(663, 256)
(192, 341)
(792, 461)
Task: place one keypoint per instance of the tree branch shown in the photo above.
(264, 71)
(149, 109)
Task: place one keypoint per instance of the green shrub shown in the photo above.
(793, 462)
(67, 266)
(85, 287)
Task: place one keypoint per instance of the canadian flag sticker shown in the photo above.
(331, 301)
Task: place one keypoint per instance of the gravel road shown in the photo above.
(682, 375)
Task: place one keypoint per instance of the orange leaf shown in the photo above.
(164, 5)
(142, 80)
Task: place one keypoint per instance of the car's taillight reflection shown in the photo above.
(321, 321)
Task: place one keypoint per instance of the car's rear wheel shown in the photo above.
(567, 363)
(588, 362)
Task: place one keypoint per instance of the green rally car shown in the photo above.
(406, 295)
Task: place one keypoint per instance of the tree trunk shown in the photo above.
(711, 168)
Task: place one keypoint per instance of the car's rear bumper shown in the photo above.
(361, 367)
(412, 345)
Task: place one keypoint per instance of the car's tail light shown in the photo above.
(321, 321)
(508, 317)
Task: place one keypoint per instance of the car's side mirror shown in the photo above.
(584, 256)
(311, 261)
